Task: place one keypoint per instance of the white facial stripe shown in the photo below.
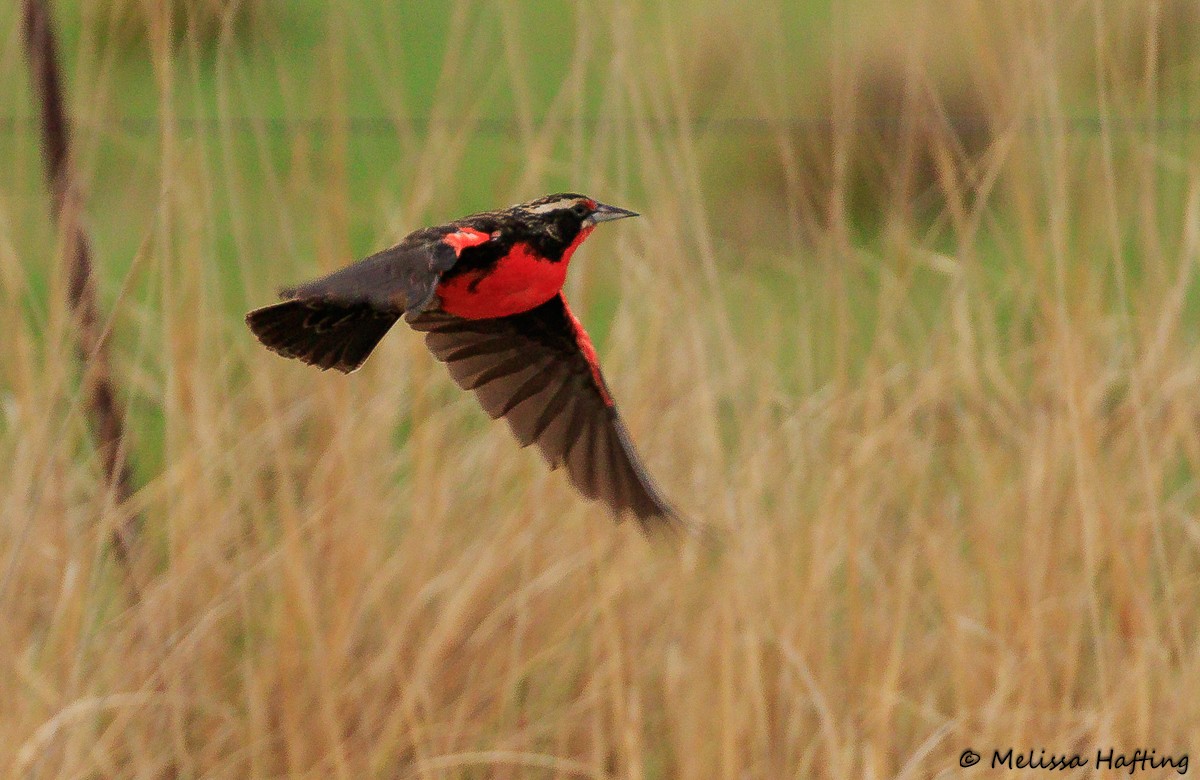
(563, 203)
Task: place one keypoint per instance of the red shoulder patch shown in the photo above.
(465, 237)
(589, 352)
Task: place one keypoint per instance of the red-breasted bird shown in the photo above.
(487, 292)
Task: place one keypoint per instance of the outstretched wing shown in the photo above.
(336, 321)
(399, 279)
(539, 371)
(322, 333)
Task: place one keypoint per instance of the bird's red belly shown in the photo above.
(519, 282)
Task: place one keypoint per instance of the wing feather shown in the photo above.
(336, 321)
(547, 415)
(537, 369)
(580, 464)
(402, 278)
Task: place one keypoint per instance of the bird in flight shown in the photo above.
(486, 290)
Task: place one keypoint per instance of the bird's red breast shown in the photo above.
(518, 282)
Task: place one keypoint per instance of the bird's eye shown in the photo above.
(580, 210)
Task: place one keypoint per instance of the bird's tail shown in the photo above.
(323, 333)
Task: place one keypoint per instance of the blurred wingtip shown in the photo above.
(682, 532)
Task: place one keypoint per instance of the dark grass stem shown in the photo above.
(99, 388)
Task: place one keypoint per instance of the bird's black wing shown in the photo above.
(538, 370)
(336, 321)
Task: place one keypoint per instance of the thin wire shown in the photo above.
(737, 126)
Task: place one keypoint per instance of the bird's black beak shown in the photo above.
(606, 213)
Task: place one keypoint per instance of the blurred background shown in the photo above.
(911, 315)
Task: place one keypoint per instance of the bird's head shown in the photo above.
(572, 211)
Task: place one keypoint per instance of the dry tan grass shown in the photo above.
(957, 466)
